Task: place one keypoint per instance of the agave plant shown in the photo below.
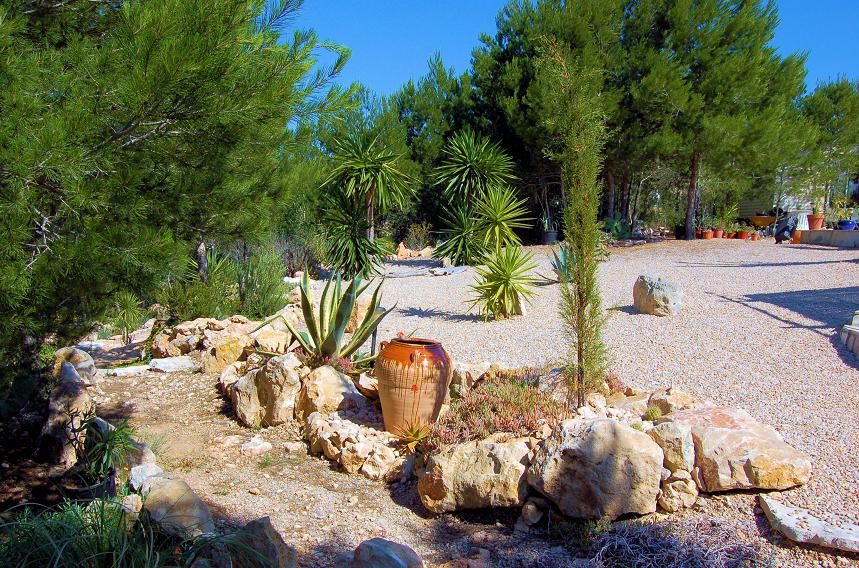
(499, 212)
(562, 259)
(461, 242)
(503, 283)
(325, 335)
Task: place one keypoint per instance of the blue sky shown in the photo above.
(391, 40)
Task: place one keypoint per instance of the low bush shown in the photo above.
(503, 402)
(418, 236)
(652, 413)
(504, 283)
(101, 535)
(263, 291)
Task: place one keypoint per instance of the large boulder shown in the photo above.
(599, 468)
(178, 511)
(67, 404)
(473, 475)
(224, 350)
(273, 341)
(380, 553)
(735, 451)
(259, 545)
(657, 296)
(266, 396)
(79, 359)
(325, 390)
(675, 439)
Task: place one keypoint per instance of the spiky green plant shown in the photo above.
(498, 213)
(472, 164)
(326, 328)
(461, 242)
(126, 314)
(369, 174)
(503, 283)
(561, 261)
(347, 247)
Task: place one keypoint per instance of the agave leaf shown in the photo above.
(324, 308)
(363, 332)
(307, 309)
(344, 312)
(374, 303)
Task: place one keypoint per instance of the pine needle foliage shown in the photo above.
(503, 283)
(577, 120)
(471, 165)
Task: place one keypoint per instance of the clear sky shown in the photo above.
(391, 40)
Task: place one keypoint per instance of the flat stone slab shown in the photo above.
(125, 371)
(174, 364)
(799, 526)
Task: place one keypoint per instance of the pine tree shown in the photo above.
(132, 132)
(577, 126)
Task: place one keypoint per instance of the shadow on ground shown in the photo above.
(433, 313)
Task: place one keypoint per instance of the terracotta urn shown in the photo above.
(414, 375)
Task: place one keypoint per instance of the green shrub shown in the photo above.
(471, 165)
(263, 291)
(418, 236)
(188, 297)
(498, 213)
(652, 413)
(126, 314)
(502, 402)
(100, 535)
(503, 283)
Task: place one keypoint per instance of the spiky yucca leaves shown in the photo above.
(126, 314)
(498, 213)
(369, 175)
(472, 164)
(326, 328)
(461, 237)
(345, 239)
(503, 283)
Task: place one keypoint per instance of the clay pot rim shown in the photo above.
(415, 342)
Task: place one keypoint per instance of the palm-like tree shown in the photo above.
(472, 164)
(368, 172)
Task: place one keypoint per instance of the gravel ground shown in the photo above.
(757, 331)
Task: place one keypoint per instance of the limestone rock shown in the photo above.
(672, 399)
(325, 390)
(223, 351)
(140, 473)
(675, 439)
(368, 386)
(380, 461)
(231, 374)
(173, 505)
(598, 468)
(425, 252)
(381, 553)
(174, 364)
(473, 475)
(359, 312)
(256, 446)
(79, 359)
(266, 396)
(799, 526)
(678, 493)
(353, 456)
(403, 252)
(735, 451)
(273, 341)
(657, 296)
(467, 375)
(267, 546)
(66, 404)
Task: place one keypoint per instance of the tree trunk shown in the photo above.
(692, 196)
(609, 175)
(202, 261)
(371, 229)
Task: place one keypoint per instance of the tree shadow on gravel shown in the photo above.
(688, 264)
(433, 313)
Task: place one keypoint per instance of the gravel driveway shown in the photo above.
(758, 331)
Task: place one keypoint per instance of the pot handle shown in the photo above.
(382, 345)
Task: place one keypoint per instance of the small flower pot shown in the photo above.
(742, 235)
(729, 235)
(550, 237)
(717, 233)
(707, 235)
(846, 225)
(698, 233)
(815, 222)
(756, 237)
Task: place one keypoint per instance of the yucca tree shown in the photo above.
(347, 244)
(498, 213)
(369, 174)
(504, 282)
(461, 237)
(472, 164)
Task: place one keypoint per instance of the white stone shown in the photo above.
(174, 364)
(800, 526)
